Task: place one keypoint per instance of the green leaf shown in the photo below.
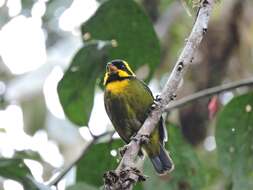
(15, 169)
(81, 186)
(27, 154)
(76, 88)
(188, 172)
(96, 162)
(125, 22)
(234, 136)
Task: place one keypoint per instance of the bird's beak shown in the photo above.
(111, 68)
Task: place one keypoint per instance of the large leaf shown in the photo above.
(76, 89)
(125, 22)
(188, 172)
(234, 136)
(96, 162)
(15, 169)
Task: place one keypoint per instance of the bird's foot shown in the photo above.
(144, 139)
(122, 150)
(134, 138)
(173, 96)
(158, 98)
(130, 176)
(156, 103)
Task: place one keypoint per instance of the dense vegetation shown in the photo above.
(210, 139)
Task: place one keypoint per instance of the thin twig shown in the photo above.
(126, 174)
(209, 92)
(58, 178)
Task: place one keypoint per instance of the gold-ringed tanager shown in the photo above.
(127, 103)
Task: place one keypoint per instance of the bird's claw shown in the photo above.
(144, 139)
(122, 150)
(156, 103)
(153, 106)
(158, 98)
(134, 138)
(173, 96)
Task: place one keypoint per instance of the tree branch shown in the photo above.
(126, 174)
(209, 92)
(57, 179)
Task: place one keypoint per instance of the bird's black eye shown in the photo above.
(119, 64)
(122, 66)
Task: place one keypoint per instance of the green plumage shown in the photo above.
(128, 108)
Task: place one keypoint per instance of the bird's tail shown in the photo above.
(162, 162)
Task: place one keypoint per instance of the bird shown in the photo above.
(128, 102)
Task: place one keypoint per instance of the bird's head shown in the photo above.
(117, 70)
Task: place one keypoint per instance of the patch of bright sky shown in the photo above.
(14, 7)
(22, 44)
(2, 3)
(99, 120)
(85, 133)
(38, 9)
(47, 148)
(2, 88)
(12, 121)
(226, 97)
(50, 92)
(36, 169)
(22, 41)
(11, 185)
(77, 13)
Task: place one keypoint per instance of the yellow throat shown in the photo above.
(117, 87)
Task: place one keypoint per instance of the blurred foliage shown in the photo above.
(164, 4)
(97, 161)
(37, 103)
(121, 29)
(235, 143)
(14, 168)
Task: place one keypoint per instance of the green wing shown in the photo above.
(161, 127)
(129, 109)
